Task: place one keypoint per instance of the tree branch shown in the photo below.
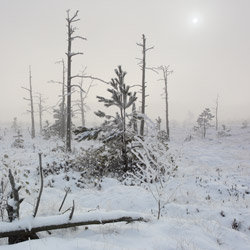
(41, 187)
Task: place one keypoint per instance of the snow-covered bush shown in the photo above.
(245, 124)
(156, 167)
(18, 142)
(224, 131)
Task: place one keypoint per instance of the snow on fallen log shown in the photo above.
(32, 225)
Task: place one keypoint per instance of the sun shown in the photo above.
(195, 20)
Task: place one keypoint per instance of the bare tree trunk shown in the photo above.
(166, 72)
(40, 107)
(13, 210)
(82, 105)
(69, 54)
(31, 107)
(60, 224)
(41, 187)
(167, 120)
(124, 148)
(143, 101)
(68, 131)
(134, 119)
(63, 104)
(143, 86)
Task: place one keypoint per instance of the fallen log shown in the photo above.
(30, 225)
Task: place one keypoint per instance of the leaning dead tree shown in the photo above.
(30, 99)
(71, 37)
(40, 224)
(166, 72)
(142, 64)
(21, 230)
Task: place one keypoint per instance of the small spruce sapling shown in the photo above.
(204, 122)
(114, 132)
(18, 142)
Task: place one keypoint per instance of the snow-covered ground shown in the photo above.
(210, 193)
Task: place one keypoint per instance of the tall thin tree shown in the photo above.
(166, 72)
(30, 99)
(70, 31)
(41, 109)
(81, 104)
(62, 113)
(142, 63)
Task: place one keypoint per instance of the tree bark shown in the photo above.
(62, 134)
(39, 228)
(33, 135)
(41, 186)
(69, 54)
(143, 101)
(82, 105)
(166, 72)
(68, 130)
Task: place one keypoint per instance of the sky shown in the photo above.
(205, 42)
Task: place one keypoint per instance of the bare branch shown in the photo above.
(52, 81)
(74, 54)
(89, 77)
(74, 85)
(72, 211)
(41, 187)
(79, 37)
(149, 48)
(26, 89)
(153, 69)
(67, 191)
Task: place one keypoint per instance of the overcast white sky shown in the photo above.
(209, 57)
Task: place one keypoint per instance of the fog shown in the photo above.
(206, 43)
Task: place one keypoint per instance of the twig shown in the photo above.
(41, 187)
(67, 191)
(72, 211)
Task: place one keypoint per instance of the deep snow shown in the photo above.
(211, 189)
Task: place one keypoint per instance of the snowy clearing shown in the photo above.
(208, 209)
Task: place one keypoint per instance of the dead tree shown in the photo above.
(134, 118)
(13, 208)
(166, 72)
(62, 105)
(81, 104)
(158, 123)
(41, 186)
(71, 30)
(31, 105)
(41, 109)
(142, 64)
(63, 221)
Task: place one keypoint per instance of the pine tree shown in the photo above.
(203, 122)
(114, 132)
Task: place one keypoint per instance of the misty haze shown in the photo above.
(125, 124)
